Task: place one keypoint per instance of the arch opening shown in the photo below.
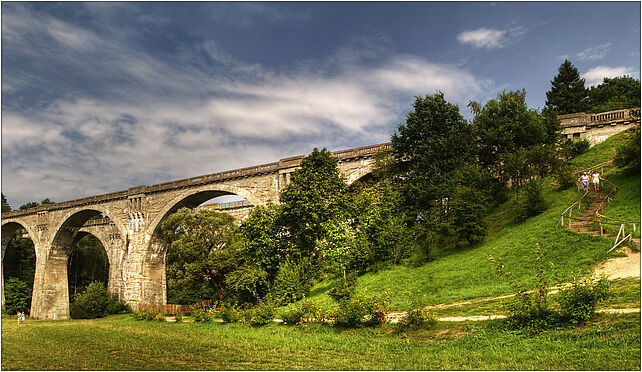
(178, 287)
(87, 262)
(18, 268)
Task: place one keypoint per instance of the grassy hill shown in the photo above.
(458, 275)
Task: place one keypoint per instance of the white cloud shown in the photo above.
(594, 53)
(484, 38)
(596, 75)
(491, 38)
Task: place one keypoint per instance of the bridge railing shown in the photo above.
(582, 118)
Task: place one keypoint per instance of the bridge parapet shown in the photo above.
(599, 126)
(274, 167)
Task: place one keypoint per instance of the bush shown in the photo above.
(262, 313)
(293, 316)
(17, 297)
(352, 311)
(93, 302)
(344, 290)
(232, 314)
(146, 314)
(418, 318)
(572, 148)
(565, 177)
(578, 303)
(203, 316)
(532, 203)
(292, 281)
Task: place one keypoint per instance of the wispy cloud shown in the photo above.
(596, 75)
(594, 53)
(129, 117)
(490, 38)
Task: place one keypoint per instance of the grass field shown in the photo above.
(609, 342)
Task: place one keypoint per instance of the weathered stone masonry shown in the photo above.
(130, 233)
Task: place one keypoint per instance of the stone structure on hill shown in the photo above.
(598, 127)
(130, 230)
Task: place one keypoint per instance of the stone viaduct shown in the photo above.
(130, 230)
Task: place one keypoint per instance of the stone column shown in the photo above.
(50, 288)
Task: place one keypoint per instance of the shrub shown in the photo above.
(292, 281)
(344, 290)
(572, 148)
(201, 315)
(565, 178)
(93, 302)
(262, 313)
(232, 314)
(159, 317)
(352, 311)
(146, 314)
(418, 318)
(17, 296)
(578, 303)
(532, 203)
(293, 316)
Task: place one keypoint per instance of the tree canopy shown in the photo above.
(568, 93)
(614, 94)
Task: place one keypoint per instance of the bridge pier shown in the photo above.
(50, 299)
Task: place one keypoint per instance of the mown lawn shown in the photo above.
(609, 342)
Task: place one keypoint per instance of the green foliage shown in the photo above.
(248, 283)
(434, 142)
(533, 202)
(202, 251)
(306, 311)
(28, 205)
(147, 315)
(202, 316)
(178, 317)
(315, 196)
(263, 313)
(628, 155)
(358, 310)
(19, 260)
(232, 314)
(17, 296)
(344, 290)
(87, 263)
(263, 239)
(568, 94)
(616, 93)
(292, 281)
(578, 303)
(5, 205)
(509, 137)
(572, 148)
(418, 318)
(565, 177)
(94, 302)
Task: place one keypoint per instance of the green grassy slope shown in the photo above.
(466, 274)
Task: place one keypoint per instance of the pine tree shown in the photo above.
(568, 94)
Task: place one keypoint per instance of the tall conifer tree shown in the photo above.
(568, 93)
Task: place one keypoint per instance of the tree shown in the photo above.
(568, 94)
(46, 201)
(28, 205)
(434, 141)
(5, 206)
(202, 250)
(614, 94)
(506, 129)
(87, 263)
(315, 196)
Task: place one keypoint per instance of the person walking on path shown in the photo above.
(596, 181)
(584, 180)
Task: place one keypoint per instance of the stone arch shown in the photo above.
(105, 245)
(75, 216)
(8, 229)
(358, 175)
(193, 198)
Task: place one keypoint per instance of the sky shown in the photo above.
(98, 97)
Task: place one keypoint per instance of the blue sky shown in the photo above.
(99, 97)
